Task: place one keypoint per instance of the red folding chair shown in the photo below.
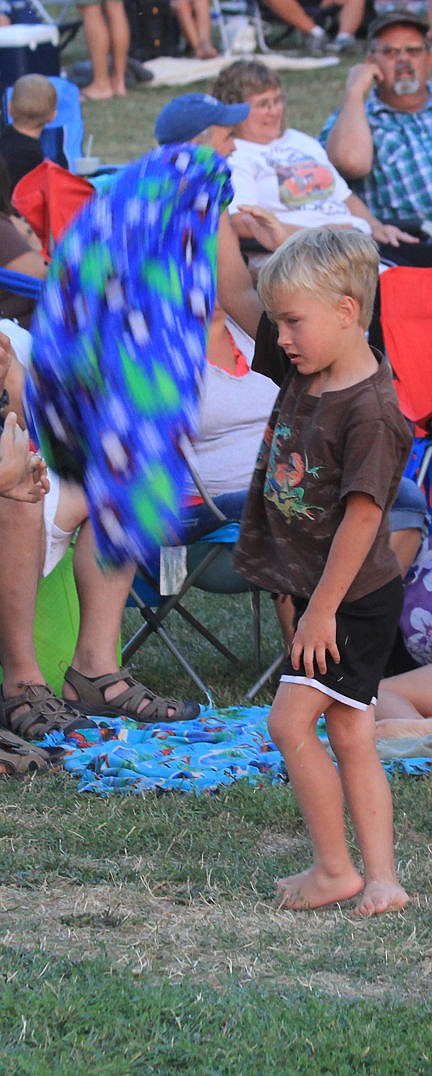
(406, 318)
(49, 197)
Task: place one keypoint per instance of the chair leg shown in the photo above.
(217, 15)
(256, 687)
(424, 465)
(135, 642)
(256, 613)
(255, 15)
(207, 634)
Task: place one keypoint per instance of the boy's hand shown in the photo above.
(316, 633)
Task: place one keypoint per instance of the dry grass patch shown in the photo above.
(130, 927)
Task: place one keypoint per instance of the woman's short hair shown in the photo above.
(243, 78)
(329, 262)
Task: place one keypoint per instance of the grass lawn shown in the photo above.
(140, 932)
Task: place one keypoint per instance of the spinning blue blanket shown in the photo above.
(218, 748)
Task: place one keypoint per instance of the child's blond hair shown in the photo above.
(33, 102)
(329, 262)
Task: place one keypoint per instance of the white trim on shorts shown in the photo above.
(310, 682)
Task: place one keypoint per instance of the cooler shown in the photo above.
(30, 48)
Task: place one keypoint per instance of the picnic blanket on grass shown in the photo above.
(181, 71)
(217, 748)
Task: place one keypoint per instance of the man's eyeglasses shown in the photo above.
(391, 53)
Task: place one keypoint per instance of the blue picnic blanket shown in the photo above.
(217, 748)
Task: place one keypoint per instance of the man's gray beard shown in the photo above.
(402, 86)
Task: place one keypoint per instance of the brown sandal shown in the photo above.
(91, 699)
(45, 713)
(20, 759)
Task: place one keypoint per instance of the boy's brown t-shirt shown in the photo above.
(315, 451)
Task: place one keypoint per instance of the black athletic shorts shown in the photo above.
(365, 632)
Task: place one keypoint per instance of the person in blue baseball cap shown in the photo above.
(198, 117)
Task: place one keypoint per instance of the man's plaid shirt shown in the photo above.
(399, 185)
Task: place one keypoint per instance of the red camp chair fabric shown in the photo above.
(406, 318)
(49, 197)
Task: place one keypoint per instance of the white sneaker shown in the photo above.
(343, 43)
(317, 41)
(244, 42)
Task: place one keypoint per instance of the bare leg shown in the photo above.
(184, 14)
(102, 597)
(20, 565)
(352, 735)
(350, 17)
(119, 34)
(404, 704)
(292, 12)
(317, 786)
(205, 49)
(98, 43)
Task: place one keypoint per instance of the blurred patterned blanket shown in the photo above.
(217, 748)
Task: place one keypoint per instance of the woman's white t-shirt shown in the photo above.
(294, 179)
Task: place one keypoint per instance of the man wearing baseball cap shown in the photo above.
(381, 137)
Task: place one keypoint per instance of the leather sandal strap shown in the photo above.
(19, 758)
(45, 711)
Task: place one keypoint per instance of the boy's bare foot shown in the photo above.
(314, 889)
(379, 897)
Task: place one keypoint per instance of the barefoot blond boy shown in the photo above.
(316, 527)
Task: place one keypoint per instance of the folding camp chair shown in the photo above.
(20, 284)
(64, 134)
(208, 566)
(249, 10)
(49, 197)
(406, 317)
(265, 21)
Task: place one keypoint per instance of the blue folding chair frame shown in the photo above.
(20, 284)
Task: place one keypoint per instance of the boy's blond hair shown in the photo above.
(33, 102)
(329, 262)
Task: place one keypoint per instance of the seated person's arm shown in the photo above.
(236, 292)
(25, 229)
(253, 222)
(349, 143)
(382, 233)
(31, 264)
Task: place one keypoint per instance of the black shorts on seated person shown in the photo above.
(365, 632)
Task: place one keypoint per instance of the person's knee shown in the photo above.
(348, 740)
(286, 731)
(278, 726)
